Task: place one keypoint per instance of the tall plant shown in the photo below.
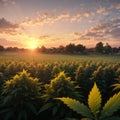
(19, 96)
(60, 86)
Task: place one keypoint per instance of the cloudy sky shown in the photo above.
(33, 23)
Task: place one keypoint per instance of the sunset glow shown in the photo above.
(34, 23)
(32, 45)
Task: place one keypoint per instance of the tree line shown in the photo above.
(69, 49)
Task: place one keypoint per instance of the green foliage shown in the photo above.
(105, 76)
(61, 86)
(45, 107)
(1, 80)
(112, 105)
(112, 118)
(83, 77)
(22, 86)
(117, 85)
(75, 105)
(18, 96)
(22, 97)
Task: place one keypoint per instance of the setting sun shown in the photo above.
(32, 44)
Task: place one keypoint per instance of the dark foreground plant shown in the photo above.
(60, 86)
(19, 96)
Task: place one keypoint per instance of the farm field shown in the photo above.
(38, 57)
(63, 87)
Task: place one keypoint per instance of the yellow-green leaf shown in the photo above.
(76, 106)
(116, 86)
(94, 100)
(112, 105)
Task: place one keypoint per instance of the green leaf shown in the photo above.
(86, 119)
(94, 100)
(45, 107)
(5, 110)
(31, 107)
(6, 99)
(55, 109)
(112, 105)
(9, 115)
(112, 118)
(75, 105)
(70, 119)
(22, 115)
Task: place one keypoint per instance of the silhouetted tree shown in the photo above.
(80, 48)
(1, 48)
(99, 47)
(107, 49)
(9, 49)
(115, 50)
(43, 49)
(70, 48)
(61, 49)
(12, 49)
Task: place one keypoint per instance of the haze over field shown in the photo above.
(33, 23)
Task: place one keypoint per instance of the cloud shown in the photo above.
(48, 18)
(8, 27)
(62, 16)
(89, 14)
(104, 31)
(101, 10)
(45, 18)
(6, 24)
(115, 33)
(7, 2)
(115, 6)
(77, 34)
(76, 17)
(8, 43)
(44, 37)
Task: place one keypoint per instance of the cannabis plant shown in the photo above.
(19, 96)
(60, 86)
(94, 110)
(117, 85)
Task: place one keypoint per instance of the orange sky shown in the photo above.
(33, 23)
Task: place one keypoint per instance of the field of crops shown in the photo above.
(59, 87)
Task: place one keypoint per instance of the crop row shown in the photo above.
(29, 90)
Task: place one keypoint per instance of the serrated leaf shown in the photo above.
(116, 86)
(112, 105)
(94, 100)
(76, 106)
(45, 107)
